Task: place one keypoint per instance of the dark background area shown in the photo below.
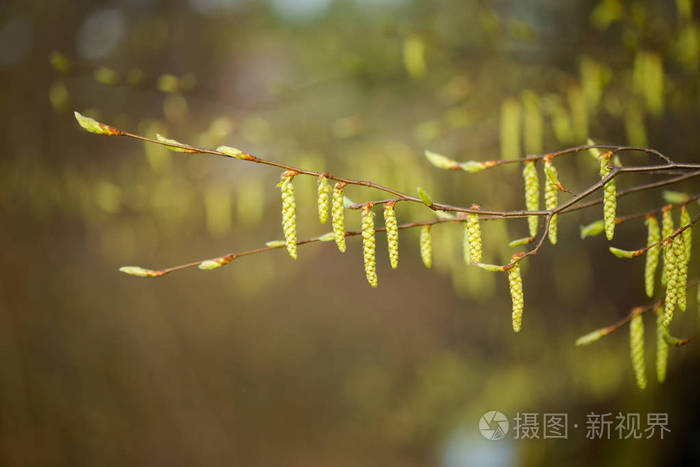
(270, 361)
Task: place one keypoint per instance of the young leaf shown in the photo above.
(675, 197)
(440, 161)
(425, 197)
(474, 166)
(173, 145)
(490, 267)
(592, 336)
(139, 271)
(216, 263)
(592, 229)
(521, 241)
(93, 126)
(624, 253)
(234, 152)
(275, 243)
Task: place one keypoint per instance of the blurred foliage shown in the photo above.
(270, 361)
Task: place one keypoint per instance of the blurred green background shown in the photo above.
(270, 361)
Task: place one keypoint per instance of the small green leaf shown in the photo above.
(327, 237)
(276, 243)
(592, 229)
(521, 241)
(675, 197)
(139, 271)
(209, 264)
(674, 341)
(425, 197)
(440, 161)
(93, 126)
(592, 336)
(347, 202)
(473, 166)
(490, 267)
(444, 214)
(595, 152)
(552, 174)
(168, 142)
(623, 253)
(235, 152)
(216, 263)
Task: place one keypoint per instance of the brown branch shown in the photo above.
(637, 310)
(635, 189)
(568, 206)
(434, 206)
(666, 240)
(225, 259)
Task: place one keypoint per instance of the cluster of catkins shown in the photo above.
(673, 249)
(333, 198)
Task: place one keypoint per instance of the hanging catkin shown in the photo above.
(666, 230)
(551, 191)
(466, 248)
(426, 246)
(515, 283)
(324, 192)
(289, 213)
(686, 239)
(369, 245)
(392, 234)
(474, 232)
(637, 350)
(652, 260)
(661, 349)
(338, 214)
(671, 279)
(532, 195)
(681, 272)
(609, 196)
(687, 233)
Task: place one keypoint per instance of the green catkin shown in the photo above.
(369, 245)
(652, 257)
(681, 273)
(686, 239)
(466, 248)
(324, 192)
(392, 234)
(338, 215)
(515, 283)
(289, 214)
(637, 350)
(661, 349)
(666, 230)
(687, 233)
(671, 280)
(609, 196)
(551, 190)
(532, 195)
(474, 232)
(426, 246)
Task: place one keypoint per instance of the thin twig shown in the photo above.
(568, 206)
